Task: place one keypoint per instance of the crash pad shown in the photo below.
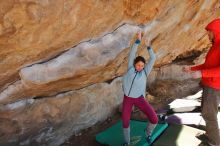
(113, 136)
(179, 135)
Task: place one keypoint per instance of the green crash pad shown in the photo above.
(113, 136)
(179, 135)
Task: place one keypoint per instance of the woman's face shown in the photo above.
(139, 66)
(211, 35)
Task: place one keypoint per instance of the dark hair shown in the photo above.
(139, 58)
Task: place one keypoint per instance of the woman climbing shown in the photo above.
(134, 87)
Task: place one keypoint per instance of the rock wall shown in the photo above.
(61, 61)
(49, 121)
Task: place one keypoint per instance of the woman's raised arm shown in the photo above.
(133, 50)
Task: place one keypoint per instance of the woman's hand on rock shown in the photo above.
(139, 35)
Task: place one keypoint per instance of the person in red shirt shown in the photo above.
(210, 74)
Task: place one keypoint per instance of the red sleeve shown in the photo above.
(198, 67)
(212, 72)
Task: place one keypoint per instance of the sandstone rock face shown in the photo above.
(59, 59)
(49, 121)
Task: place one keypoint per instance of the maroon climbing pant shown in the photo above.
(142, 104)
